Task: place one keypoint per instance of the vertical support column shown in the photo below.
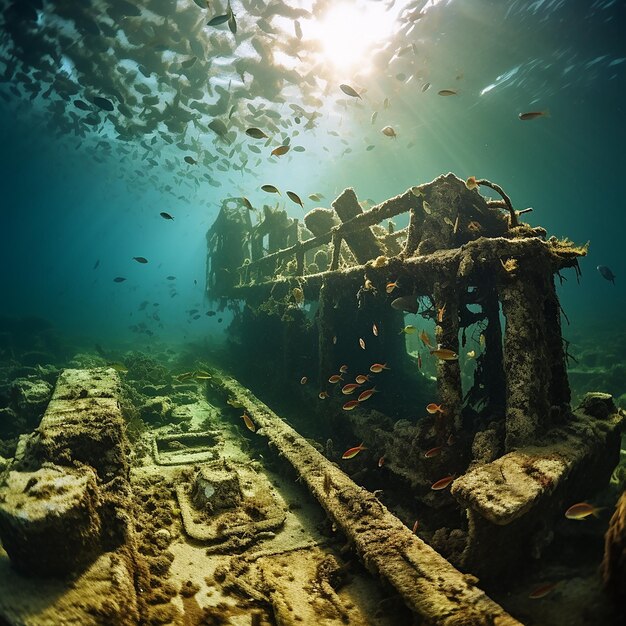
(527, 357)
(334, 263)
(414, 232)
(326, 332)
(363, 243)
(559, 393)
(299, 262)
(291, 344)
(493, 374)
(447, 336)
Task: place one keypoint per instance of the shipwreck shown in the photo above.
(456, 311)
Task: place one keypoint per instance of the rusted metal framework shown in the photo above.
(462, 256)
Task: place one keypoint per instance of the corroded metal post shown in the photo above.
(493, 378)
(446, 300)
(526, 357)
(559, 390)
(363, 244)
(325, 332)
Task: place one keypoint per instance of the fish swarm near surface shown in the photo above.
(146, 72)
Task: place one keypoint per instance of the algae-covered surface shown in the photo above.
(224, 531)
(311, 313)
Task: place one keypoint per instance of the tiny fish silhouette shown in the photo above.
(606, 273)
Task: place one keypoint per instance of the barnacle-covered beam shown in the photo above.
(430, 586)
(363, 244)
(513, 502)
(483, 254)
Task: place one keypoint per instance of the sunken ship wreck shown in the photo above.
(389, 438)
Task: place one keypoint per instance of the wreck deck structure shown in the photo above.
(467, 265)
(208, 518)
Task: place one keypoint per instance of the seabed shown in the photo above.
(144, 497)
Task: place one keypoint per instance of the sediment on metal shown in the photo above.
(430, 586)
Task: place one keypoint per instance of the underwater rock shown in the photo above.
(49, 523)
(30, 398)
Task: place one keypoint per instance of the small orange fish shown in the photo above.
(352, 404)
(349, 388)
(471, 183)
(433, 408)
(375, 330)
(419, 360)
(381, 461)
(303, 380)
(352, 452)
(391, 286)
(474, 226)
(542, 591)
(362, 378)
(322, 395)
(429, 454)
(425, 339)
(377, 368)
(581, 510)
(280, 150)
(248, 422)
(367, 394)
(440, 313)
(343, 369)
(444, 354)
(415, 526)
(335, 378)
(362, 343)
(442, 483)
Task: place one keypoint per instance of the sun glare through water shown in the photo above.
(349, 32)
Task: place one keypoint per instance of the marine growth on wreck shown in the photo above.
(282, 342)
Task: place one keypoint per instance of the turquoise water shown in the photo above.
(115, 115)
(75, 194)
